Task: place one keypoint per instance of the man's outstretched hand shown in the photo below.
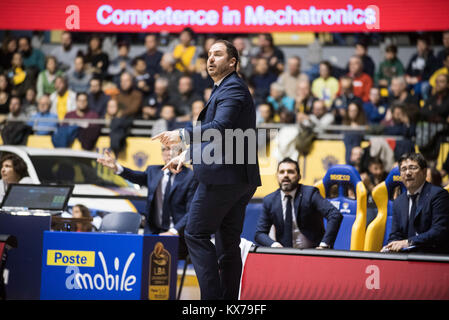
(108, 161)
(168, 138)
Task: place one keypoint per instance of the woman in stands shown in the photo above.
(13, 170)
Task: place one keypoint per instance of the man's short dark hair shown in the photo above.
(417, 157)
(81, 94)
(290, 160)
(230, 50)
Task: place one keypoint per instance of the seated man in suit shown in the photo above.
(420, 215)
(297, 212)
(169, 194)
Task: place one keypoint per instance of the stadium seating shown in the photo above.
(379, 229)
(351, 235)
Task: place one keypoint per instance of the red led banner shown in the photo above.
(302, 277)
(230, 16)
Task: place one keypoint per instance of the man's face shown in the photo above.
(185, 85)
(81, 102)
(7, 172)
(94, 86)
(79, 64)
(412, 175)
(44, 104)
(218, 62)
(66, 40)
(14, 106)
(287, 176)
(293, 66)
(24, 46)
(126, 81)
(355, 65)
(150, 42)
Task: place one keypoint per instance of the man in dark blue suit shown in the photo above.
(420, 215)
(225, 162)
(169, 195)
(297, 212)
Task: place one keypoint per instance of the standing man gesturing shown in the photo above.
(226, 184)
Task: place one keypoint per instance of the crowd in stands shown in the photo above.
(172, 86)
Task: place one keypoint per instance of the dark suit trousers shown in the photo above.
(219, 210)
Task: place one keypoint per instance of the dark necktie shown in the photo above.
(411, 218)
(165, 205)
(288, 223)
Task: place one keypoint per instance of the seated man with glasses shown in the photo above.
(420, 215)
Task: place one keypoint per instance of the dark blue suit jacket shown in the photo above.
(229, 107)
(180, 197)
(310, 208)
(431, 220)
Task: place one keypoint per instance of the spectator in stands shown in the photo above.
(29, 104)
(270, 52)
(5, 93)
(304, 98)
(129, 97)
(33, 58)
(355, 115)
(326, 86)
(197, 107)
(79, 77)
(361, 51)
(153, 103)
(399, 124)
(184, 97)
(169, 72)
(344, 98)
(420, 67)
(15, 109)
(9, 47)
(207, 43)
(88, 132)
(20, 77)
(167, 120)
(265, 113)
(320, 117)
(97, 99)
(420, 215)
(152, 55)
(262, 78)
(443, 70)
(279, 99)
(290, 77)
(113, 110)
(63, 100)
(121, 63)
(297, 212)
(375, 108)
(399, 92)
(40, 126)
(355, 158)
(15, 130)
(243, 48)
(286, 116)
(375, 175)
(185, 53)
(201, 79)
(66, 53)
(143, 79)
(96, 60)
(389, 68)
(361, 81)
(13, 170)
(46, 78)
(81, 211)
(436, 108)
(445, 50)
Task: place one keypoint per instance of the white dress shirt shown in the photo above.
(299, 240)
